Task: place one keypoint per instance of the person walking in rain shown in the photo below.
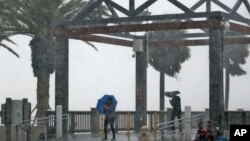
(175, 102)
(109, 118)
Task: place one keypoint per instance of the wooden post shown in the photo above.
(244, 117)
(72, 125)
(61, 76)
(188, 127)
(162, 97)
(155, 122)
(131, 5)
(59, 122)
(94, 122)
(216, 96)
(8, 118)
(128, 124)
(226, 120)
(27, 116)
(140, 117)
(116, 123)
(206, 114)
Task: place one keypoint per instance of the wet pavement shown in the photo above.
(132, 137)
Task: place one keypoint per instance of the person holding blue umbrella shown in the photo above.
(107, 105)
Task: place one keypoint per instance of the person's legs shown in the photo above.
(105, 128)
(179, 117)
(112, 121)
(173, 115)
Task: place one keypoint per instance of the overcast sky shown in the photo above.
(112, 70)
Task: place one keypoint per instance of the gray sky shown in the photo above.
(112, 70)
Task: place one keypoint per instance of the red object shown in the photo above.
(138, 94)
(204, 134)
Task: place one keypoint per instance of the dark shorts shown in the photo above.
(110, 121)
(176, 113)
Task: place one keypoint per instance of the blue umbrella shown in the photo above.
(102, 101)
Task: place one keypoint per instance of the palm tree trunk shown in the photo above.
(162, 98)
(42, 95)
(227, 85)
(162, 83)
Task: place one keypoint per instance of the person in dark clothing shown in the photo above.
(175, 102)
(109, 118)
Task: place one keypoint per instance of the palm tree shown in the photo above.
(166, 59)
(36, 16)
(6, 24)
(234, 57)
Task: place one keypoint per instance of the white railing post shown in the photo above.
(206, 115)
(58, 122)
(94, 124)
(188, 127)
(25, 136)
(45, 130)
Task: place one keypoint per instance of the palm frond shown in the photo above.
(9, 40)
(234, 56)
(66, 10)
(90, 44)
(236, 70)
(9, 49)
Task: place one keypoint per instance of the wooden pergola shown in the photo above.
(211, 23)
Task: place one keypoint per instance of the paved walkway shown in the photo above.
(132, 137)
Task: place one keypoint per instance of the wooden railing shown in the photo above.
(1, 118)
(80, 120)
(237, 117)
(124, 120)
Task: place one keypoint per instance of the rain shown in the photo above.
(72, 52)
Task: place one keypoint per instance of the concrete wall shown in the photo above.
(34, 133)
(2, 133)
(13, 134)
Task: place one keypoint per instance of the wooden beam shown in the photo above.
(247, 5)
(225, 7)
(138, 27)
(239, 28)
(102, 39)
(181, 6)
(208, 5)
(236, 7)
(81, 32)
(179, 43)
(131, 6)
(234, 41)
(128, 43)
(143, 7)
(117, 6)
(197, 5)
(199, 42)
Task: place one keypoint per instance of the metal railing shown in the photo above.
(46, 121)
(80, 121)
(124, 120)
(1, 118)
(184, 124)
(174, 123)
(236, 117)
